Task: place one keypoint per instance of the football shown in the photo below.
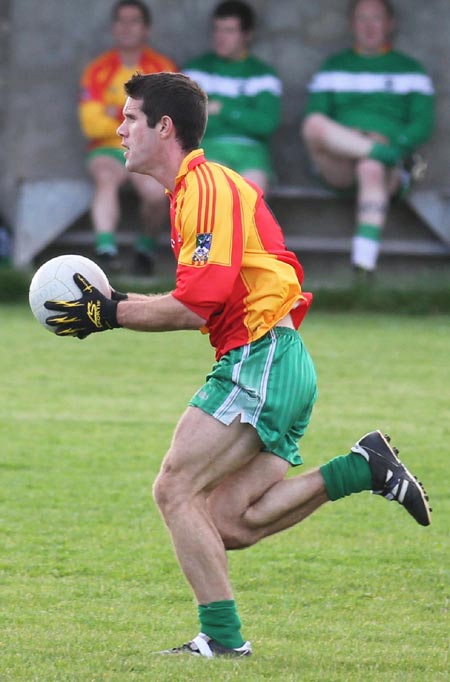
(53, 281)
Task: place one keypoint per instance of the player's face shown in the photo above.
(229, 40)
(371, 26)
(129, 29)
(140, 142)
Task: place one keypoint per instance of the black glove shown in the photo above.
(118, 296)
(91, 313)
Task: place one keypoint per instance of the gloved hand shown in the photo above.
(118, 295)
(91, 313)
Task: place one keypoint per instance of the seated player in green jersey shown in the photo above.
(369, 108)
(244, 96)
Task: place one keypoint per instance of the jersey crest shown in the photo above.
(202, 248)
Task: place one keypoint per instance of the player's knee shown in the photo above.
(167, 493)
(369, 171)
(107, 172)
(313, 127)
(159, 491)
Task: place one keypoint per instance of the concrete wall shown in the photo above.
(5, 32)
(45, 44)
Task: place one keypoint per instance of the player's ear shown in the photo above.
(166, 126)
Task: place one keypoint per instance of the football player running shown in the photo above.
(223, 484)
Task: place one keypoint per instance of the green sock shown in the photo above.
(346, 475)
(368, 231)
(145, 244)
(106, 242)
(220, 621)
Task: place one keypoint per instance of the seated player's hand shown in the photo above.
(377, 137)
(214, 107)
(91, 313)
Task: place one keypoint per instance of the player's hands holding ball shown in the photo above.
(56, 287)
(91, 313)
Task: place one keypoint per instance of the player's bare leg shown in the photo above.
(341, 156)
(257, 501)
(154, 212)
(376, 184)
(217, 491)
(203, 454)
(257, 176)
(334, 148)
(371, 211)
(108, 175)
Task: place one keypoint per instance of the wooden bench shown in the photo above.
(48, 208)
(432, 206)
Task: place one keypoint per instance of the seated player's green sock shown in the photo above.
(345, 475)
(220, 621)
(145, 244)
(105, 242)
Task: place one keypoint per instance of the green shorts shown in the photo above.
(270, 384)
(115, 152)
(239, 154)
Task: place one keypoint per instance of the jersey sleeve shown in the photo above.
(94, 121)
(212, 231)
(320, 99)
(420, 123)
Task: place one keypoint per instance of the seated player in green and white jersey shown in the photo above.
(368, 110)
(244, 95)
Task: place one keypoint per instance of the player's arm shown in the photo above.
(93, 312)
(161, 312)
(320, 94)
(420, 125)
(156, 314)
(97, 120)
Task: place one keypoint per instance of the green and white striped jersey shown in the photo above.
(389, 93)
(249, 91)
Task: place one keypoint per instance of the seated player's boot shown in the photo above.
(144, 263)
(202, 645)
(391, 479)
(109, 261)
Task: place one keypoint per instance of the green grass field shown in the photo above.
(89, 584)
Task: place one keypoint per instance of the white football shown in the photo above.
(53, 281)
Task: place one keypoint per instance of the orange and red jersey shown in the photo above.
(233, 267)
(102, 86)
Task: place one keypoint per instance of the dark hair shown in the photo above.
(240, 10)
(387, 4)
(141, 6)
(174, 95)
